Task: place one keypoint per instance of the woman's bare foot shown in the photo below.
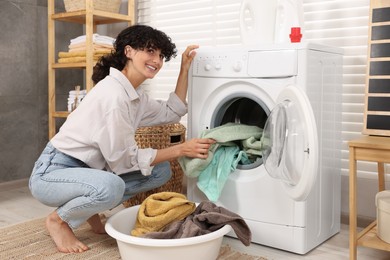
(63, 235)
(96, 224)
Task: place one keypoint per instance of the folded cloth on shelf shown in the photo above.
(206, 218)
(96, 46)
(159, 210)
(63, 54)
(96, 38)
(77, 59)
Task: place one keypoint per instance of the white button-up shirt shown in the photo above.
(100, 132)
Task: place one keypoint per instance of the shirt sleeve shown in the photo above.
(118, 146)
(159, 112)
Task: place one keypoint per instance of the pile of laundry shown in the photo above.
(101, 45)
(169, 215)
(235, 144)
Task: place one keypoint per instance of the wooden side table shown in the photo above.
(374, 149)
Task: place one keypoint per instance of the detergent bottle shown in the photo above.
(289, 21)
(257, 21)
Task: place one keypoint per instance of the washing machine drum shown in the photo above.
(290, 143)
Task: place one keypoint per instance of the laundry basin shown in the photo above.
(202, 247)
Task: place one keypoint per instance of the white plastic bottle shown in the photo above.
(289, 14)
(257, 21)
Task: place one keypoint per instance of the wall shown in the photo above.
(23, 85)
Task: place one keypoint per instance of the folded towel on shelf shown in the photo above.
(161, 209)
(63, 54)
(77, 59)
(206, 218)
(96, 38)
(96, 46)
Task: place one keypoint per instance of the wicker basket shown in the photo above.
(112, 6)
(159, 137)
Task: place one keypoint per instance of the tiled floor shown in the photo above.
(17, 205)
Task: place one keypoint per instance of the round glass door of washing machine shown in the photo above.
(290, 143)
(243, 110)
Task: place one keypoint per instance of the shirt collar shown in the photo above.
(130, 90)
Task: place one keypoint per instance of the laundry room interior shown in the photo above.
(293, 93)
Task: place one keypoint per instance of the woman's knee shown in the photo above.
(112, 190)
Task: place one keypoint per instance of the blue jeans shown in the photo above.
(79, 192)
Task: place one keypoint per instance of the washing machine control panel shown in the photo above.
(245, 63)
(233, 64)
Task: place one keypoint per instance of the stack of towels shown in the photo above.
(101, 45)
(169, 215)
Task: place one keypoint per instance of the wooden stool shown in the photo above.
(374, 149)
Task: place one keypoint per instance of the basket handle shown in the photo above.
(175, 139)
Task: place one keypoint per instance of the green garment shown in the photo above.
(212, 180)
(224, 135)
(214, 170)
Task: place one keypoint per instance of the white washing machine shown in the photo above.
(290, 198)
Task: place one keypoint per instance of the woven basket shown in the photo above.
(159, 137)
(112, 6)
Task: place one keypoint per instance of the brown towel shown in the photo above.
(206, 218)
(161, 209)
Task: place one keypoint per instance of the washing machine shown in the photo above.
(289, 196)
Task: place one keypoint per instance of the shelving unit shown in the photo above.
(91, 18)
(374, 149)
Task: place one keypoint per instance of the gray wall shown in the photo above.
(23, 84)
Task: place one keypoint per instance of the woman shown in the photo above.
(93, 163)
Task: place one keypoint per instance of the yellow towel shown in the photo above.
(76, 59)
(94, 45)
(159, 210)
(108, 50)
(63, 54)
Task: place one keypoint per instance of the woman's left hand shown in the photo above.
(187, 57)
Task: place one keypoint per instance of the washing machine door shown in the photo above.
(290, 143)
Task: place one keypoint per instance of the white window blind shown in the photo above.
(341, 23)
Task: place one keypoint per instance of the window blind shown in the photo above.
(341, 23)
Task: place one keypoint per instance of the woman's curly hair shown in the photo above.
(138, 37)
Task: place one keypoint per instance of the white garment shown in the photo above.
(100, 132)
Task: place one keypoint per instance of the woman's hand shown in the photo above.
(182, 81)
(197, 147)
(187, 57)
(194, 148)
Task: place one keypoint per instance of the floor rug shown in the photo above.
(30, 240)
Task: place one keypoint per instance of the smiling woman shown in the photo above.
(75, 171)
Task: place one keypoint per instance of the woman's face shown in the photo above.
(147, 62)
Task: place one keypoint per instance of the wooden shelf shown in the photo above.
(90, 18)
(69, 65)
(372, 149)
(99, 17)
(61, 114)
(369, 238)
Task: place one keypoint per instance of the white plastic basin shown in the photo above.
(202, 247)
